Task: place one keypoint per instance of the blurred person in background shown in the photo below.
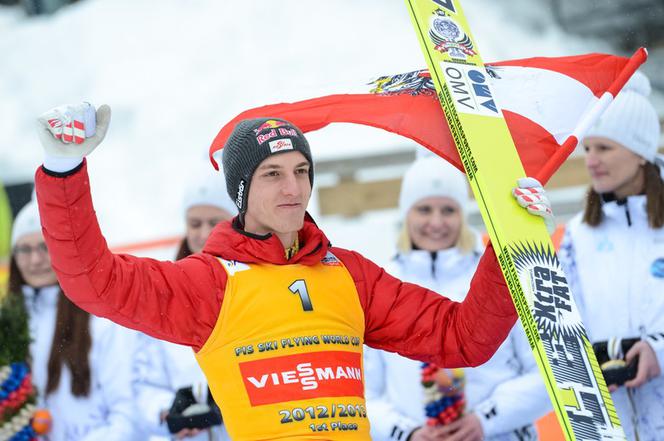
(162, 368)
(613, 255)
(80, 363)
(437, 249)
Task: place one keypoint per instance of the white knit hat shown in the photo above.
(432, 176)
(631, 120)
(27, 222)
(206, 187)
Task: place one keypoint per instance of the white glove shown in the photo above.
(68, 133)
(531, 195)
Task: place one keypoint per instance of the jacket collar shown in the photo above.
(426, 264)
(37, 299)
(229, 241)
(627, 210)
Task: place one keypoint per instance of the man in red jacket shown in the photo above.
(277, 316)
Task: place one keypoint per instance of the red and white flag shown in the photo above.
(548, 103)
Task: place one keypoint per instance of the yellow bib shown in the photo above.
(284, 360)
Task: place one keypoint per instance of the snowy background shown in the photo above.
(174, 71)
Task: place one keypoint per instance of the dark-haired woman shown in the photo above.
(80, 363)
(613, 255)
(160, 367)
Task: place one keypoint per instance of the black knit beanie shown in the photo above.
(252, 141)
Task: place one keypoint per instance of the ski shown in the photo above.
(526, 254)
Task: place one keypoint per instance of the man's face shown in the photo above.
(278, 194)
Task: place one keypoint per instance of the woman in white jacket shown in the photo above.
(80, 364)
(613, 253)
(160, 367)
(438, 250)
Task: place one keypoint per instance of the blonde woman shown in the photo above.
(438, 250)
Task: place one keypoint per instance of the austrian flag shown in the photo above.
(548, 104)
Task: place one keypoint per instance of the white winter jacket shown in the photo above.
(160, 369)
(616, 274)
(106, 414)
(506, 393)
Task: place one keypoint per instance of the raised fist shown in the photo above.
(73, 131)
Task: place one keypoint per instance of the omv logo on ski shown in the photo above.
(470, 89)
(303, 376)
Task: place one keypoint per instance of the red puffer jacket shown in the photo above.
(180, 301)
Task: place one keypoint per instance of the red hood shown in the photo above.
(229, 242)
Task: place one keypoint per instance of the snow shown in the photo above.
(174, 72)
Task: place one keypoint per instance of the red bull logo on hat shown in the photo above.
(265, 136)
(274, 128)
(269, 124)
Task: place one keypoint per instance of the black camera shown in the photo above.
(615, 369)
(187, 413)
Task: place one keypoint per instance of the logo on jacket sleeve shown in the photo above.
(657, 268)
(303, 376)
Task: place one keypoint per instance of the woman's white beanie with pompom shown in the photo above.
(631, 120)
(430, 176)
(206, 187)
(27, 222)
